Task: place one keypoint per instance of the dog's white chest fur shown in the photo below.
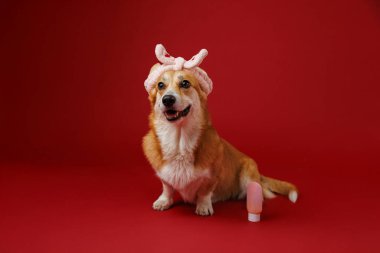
(178, 145)
(178, 171)
(181, 174)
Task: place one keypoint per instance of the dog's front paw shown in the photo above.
(162, 203)
(204, 209)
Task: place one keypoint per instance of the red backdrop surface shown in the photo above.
(296, 86)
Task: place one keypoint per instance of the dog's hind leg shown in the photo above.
(249, 173)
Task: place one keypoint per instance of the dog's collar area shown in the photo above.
(173, 115)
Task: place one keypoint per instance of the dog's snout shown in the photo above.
(168, 100)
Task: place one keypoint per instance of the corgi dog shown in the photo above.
(184, 148)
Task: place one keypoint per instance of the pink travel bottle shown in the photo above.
(254, 201)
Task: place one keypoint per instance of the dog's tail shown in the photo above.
(272, 187)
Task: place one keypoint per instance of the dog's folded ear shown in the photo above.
(154, 67)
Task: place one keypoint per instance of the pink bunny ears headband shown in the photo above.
(171, 63)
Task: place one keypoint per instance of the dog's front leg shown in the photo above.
(204, 203)
(166, 198)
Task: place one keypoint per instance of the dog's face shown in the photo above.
(177, 96)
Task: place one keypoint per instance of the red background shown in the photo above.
(296, 87)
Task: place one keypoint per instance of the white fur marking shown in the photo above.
(293, 196)
(162, 203)
(179, 137)
(180, 172)
(178, 141)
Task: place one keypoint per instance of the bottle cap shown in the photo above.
(253, 217)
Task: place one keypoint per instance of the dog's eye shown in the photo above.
(184, 84)
(160, 85)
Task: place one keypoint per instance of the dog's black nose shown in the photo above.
(168, 100)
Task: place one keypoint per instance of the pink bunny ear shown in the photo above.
(163, 56)
(196, 60)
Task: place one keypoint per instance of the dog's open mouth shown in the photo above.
(173, 115)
